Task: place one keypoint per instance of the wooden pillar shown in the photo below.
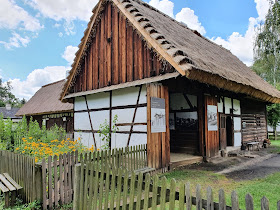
(158, 144)
(201, 118)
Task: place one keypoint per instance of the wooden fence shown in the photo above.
(57, 173)
(97, 187)
(22, 169)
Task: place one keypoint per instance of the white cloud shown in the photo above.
(187, 16)
(12, 16)
(16, 41)
(69, 53)
(242, 45)
(36, 79)
(164, 6)
(65, 10)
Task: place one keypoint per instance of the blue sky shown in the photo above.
(38, 38)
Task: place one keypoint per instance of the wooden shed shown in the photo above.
(46, 107)
(169, 86)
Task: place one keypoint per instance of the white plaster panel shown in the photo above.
(236, 107)
(221, 107)
(140, 128)
(128, 96)
(81, 121)
(237, 139)
(99, 142)
(138, 139)
(98, 118)
(86, 138)
(237, 123)
(119, 140)
(141, 115)
(80, 104)
(124, 116)
(228, 105)
(98, 100)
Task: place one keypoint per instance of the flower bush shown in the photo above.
(39, 149)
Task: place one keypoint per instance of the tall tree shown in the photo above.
(267, 46)
(267, 57)
(6, 96)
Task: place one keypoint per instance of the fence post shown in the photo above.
(264, 203)
(278, 205)
(77, 185)
(210, 203)
(38, 182)
(249, 202)
(222, 200)
(234, 201)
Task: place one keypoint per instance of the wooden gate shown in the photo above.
(158, 144)
(211, 130)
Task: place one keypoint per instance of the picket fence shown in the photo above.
(102, 187)
(22, 169)
(57, 173)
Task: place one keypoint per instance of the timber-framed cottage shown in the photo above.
(46, 108)
(170, 87)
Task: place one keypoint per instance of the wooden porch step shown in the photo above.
(188, 161)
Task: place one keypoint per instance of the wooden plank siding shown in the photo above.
(158, 144)
(211, 137)
(117, 54)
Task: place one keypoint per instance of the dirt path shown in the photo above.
(255, 169)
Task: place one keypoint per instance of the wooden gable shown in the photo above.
(117, 54)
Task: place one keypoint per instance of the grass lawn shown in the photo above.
(268, 186)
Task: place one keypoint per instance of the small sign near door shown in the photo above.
(158, 118)
(212, 118)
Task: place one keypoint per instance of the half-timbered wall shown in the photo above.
(130, 107)
(117, 55)
(254, 126)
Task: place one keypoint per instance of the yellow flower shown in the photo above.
(17, 148)
(30, 138)
(98, 149)
(23, 152)
(68, 139)
(79, 138)
(36, 160)
(23, 138)
(25, 147)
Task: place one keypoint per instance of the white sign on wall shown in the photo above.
(158, 118)
(212, 118)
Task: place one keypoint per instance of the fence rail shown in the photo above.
(22, 169)
(97, 187)
(57, 173)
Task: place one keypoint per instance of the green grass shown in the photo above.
(268, 186)
(275, 146)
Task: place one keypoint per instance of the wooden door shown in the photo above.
(223, 132)
(211, 126)
(158, 144)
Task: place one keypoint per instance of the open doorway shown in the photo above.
(226, 131)
(229, 130)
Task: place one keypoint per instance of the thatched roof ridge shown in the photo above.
(46, 101)
(193, 55)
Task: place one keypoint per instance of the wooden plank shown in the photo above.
(81, 191)
(115, 42)
(61, 180)
(132, 192)
(122, 34)
(264, 203)
(234, 201)
(139, 191)
(113, 187)
(172, 194)
(182, 196)
(56, 193)
(44, 175)
(198, 198)
(135, 56)
(222, 200)
(50, 188)
(210, 202)
(77, 186)
(109, 45)
(95, 58)
(101, 52)
(119, 188)
(129, 53)
(147, 191)
(163, 193)
(249, 202)
(16, 185)
(3, 188)
(140, 52)
(89, 69)
(107, 188)
(188, 196)
(85, 196)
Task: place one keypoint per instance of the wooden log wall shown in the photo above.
(158, 144)
(254, 124)
(117, 55)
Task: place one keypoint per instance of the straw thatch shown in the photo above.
(46, 101)
(200, 58)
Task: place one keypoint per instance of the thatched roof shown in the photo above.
(46, 101)
(186, 50)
